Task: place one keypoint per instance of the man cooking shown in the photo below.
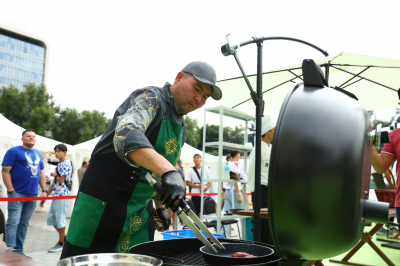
(114, 209)
(267, 135)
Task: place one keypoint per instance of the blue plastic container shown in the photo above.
(184, 234)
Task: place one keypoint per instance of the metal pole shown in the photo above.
(259, 114)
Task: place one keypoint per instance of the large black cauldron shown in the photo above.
(320, 170)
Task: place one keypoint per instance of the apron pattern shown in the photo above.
(171, 146)
(136, 222)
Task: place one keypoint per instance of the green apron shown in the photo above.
(112, 209)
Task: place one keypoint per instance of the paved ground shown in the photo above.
(41, 237)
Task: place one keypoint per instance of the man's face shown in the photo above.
(60, 154)
(189, 94)
(271, 134)
(180, 164)
(197, 160)
(29, 139)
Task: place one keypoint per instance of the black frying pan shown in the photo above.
(224, 257)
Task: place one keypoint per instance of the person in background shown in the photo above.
(180, 170)
(228, 159)
(81, 171)
(22, 171)
(382, 162)
(267, 131)
(193, 180)
(58, 210)
(233, 190)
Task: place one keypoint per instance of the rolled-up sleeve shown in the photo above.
(132, 125)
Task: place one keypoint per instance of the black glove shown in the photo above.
(172, 189)
(162, 214)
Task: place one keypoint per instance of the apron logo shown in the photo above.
(171, 146)
(135, 223)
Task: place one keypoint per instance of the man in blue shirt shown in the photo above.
(22, 171)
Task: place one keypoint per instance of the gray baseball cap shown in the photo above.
(204, 73)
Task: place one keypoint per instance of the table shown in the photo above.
(250, 213)
(367, 238)
(12, 258)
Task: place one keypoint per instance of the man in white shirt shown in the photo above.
(193, 179)
(267, 132)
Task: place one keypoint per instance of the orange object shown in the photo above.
(386, 195)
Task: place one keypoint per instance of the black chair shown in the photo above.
(209, 208)
(3, 225)
(191, 205)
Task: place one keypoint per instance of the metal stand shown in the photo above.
(365, 238)
(227, 50)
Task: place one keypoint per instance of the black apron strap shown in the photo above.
(197, 173)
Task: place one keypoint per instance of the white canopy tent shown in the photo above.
(374, 81)
(85, 149)
(10, 136)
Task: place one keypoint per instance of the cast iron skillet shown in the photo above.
(224, 257)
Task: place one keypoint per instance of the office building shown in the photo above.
(23, 58)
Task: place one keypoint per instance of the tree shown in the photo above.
(68, 126)
(192, 131)
(232, 135)
(73, 127)
(236, 135)
(95, 123)
(31, 107)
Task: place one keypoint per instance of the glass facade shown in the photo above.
(21, 62)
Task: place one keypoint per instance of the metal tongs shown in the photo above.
(184, 212)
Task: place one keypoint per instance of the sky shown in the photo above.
(100, 51)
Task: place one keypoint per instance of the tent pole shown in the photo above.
(259, 114)
(327, 72)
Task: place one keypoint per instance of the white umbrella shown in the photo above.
(374, 81)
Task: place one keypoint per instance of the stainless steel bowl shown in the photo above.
(110, 259)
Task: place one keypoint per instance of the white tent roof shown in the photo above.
(187, 152)
(11, 134)
(87, 147)
(276, 83)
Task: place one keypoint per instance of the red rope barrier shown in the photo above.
(208, 194)
(73, 197)
(36, 198)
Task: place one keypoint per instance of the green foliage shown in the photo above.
(73, 127)
(95, 124)
(33, 107)
(192, 131)
(231, 135)
(67, 126)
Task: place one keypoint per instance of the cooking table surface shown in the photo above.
(264, 212)
(12, 258)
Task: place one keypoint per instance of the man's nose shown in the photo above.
(197, 98)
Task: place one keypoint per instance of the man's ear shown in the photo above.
(179, 77)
